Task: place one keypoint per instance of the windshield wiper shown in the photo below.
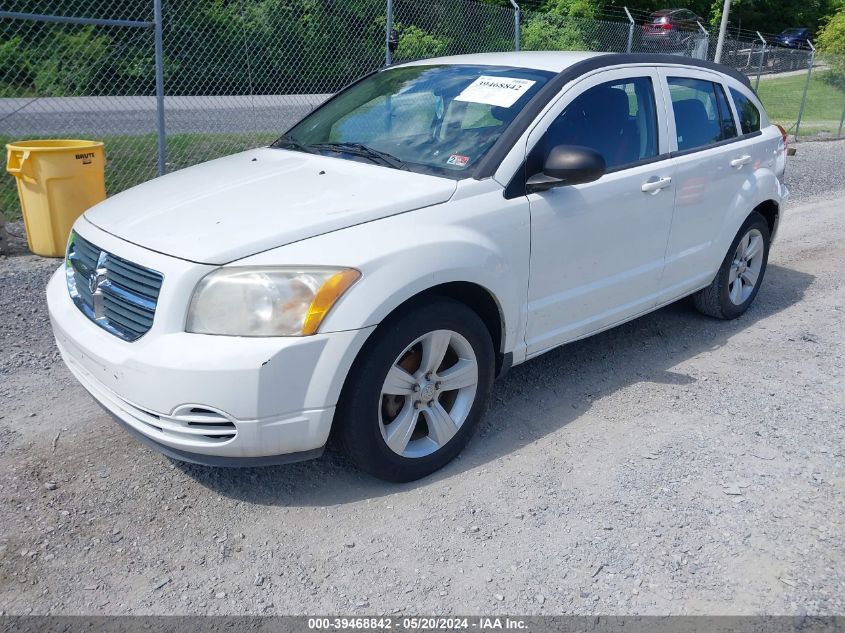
(289, 140)
(359, 149)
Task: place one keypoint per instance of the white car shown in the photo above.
(367, 276)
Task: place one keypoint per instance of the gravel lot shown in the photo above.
(676, 464)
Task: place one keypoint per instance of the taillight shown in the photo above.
(784, 136)
(782, 152)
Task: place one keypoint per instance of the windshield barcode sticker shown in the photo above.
(495, 91)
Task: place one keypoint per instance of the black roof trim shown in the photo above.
(656, 58)
(490, 163)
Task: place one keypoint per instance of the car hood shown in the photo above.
(250, 202)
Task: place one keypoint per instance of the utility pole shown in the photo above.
(722, 28)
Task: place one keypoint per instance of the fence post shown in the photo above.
(159, 65)
(762, 56)
(517, 13)
(841, 121)
(723, 27)
(388, 29)
(705, 41)
(806, 88)
(631, 24)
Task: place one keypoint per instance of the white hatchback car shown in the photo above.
(369, 274)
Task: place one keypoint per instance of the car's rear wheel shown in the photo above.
(417, 391)
(736, 284)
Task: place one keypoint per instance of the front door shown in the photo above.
(597, 249)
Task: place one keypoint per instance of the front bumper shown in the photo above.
(210, 399)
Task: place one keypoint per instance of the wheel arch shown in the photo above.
(770, 210)
(481, 301)
(476, 297)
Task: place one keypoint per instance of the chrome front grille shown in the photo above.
(114, 293)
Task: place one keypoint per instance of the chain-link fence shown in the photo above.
(170, 83)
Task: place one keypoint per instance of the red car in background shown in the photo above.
(670, 30)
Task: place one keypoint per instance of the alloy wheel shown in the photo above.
(428, 393)
(745, 267)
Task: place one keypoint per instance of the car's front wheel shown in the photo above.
(739, 278)
(417, 391)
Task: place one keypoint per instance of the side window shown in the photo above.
(749, 115)
(617, 119)
(698, 118)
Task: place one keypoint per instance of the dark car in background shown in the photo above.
(670, 30)
(798, 37)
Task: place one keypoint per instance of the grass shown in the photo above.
(822, 110)
(131, 160)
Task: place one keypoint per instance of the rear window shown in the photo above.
(700, 117)
(749, 115)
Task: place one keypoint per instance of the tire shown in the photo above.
(720, 299)
(404, 347)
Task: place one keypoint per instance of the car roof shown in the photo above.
(554, 61)
(569, 62)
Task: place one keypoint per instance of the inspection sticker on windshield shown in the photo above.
(495, 91)
(457, 160)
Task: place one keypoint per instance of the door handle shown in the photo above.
(739, 162)
(653, 186)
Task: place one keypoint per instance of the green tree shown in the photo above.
(831, 43)
(831, 38)
(548, 32)
(415, 43)
(70, 63)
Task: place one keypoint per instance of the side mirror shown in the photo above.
(567, 165)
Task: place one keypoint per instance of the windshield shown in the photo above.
(431, 119)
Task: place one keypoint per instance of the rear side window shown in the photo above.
(701, 113)
(617, 119)
(749, 115)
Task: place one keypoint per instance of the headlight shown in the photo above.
(266, 301)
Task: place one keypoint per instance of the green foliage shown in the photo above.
(574, 8)
(415, 43)
(831, 44)
(69, 64)
(312, 46)
(832, 36)
(546, 32)
(772, 16)
(12, 67)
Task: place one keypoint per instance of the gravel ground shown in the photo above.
(675, 464)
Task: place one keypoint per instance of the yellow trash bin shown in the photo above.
(57, 181)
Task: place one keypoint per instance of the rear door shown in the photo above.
(713, 176)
